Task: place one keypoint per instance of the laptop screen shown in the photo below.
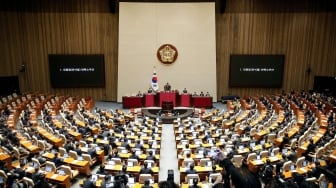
(292, 167)
(129, 163)
(35, 165)
(209, 163)
(48, 168)
(61, 172)
(131, 180)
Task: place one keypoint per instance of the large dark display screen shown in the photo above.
(77, 70)
(256, 70)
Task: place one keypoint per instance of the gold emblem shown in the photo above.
(167, 54)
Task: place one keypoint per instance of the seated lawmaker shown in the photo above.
(145, 169)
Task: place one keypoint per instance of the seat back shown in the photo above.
(3, 176)
(50, 165)
(150, 163)
(237, 160)
(73, 155)
(41, 145)
(190, 177)
(117, 161)
(188, 162)
(144, 177)
(67, 170)
(299, 162)
(287, 166)
(251, 156)
(29, 182)
(264, 154)
(132, 162)
(204, 162)
(36, 163)
(213, 177)
(61, 151)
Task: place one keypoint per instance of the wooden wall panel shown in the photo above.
(305, 32)
(30, 37)
(306, 39)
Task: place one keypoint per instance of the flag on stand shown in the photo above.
(155, 84)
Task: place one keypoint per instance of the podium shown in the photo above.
(132, 102)
(167, 96)
(202, 102)
(149, 100)
(185, 100)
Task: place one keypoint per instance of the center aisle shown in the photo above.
(168, 154)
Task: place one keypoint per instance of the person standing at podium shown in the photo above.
(167, 87)
(185, 91)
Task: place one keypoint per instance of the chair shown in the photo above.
(51, 165)
(187, 162)
(299, 162)
(41, 145)
(37, 162)
(29, 182)
(4, 176)
(132, 162)
(251, 156)
(117, 161)
(61, 151)
(264, 154)
(271, 137)
(204, 161)
(73, 155)
(189, 177)
(63, 138)
(68, 171)
(275, 151)
(237, 160)
(253, 131)
(185, 151)
(317, 154)
(144, 177)
(214, 176)
(88, 158)
(287, 166)
(150, 163)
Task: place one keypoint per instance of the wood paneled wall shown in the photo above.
(306, 37)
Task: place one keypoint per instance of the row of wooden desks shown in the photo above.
(82, 166)
(202, 171)
(134, 170)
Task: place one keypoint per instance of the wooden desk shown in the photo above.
(58, 142)
(134, 170)
(132, 101)
(332, 157)
(29, 146)
(4, 157)
(201, 171)
(202, 102)
(255, 165)
(62, 181)
(82, 166)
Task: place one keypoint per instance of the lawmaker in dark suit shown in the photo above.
(145, 169)
(146, 185)
(191, 170)
(88, 183)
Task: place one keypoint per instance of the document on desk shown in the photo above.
(54, 176)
